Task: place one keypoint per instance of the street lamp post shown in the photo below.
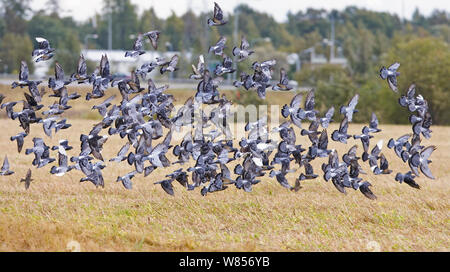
(235, 38)
(86, 38)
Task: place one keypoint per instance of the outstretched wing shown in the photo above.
(394, 66)
(218, 13)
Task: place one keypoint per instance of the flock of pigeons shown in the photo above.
(142, 115)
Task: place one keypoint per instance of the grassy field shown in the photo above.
(57, 210)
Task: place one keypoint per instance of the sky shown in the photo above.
(81, 10)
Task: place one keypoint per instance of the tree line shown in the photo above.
(367, 39)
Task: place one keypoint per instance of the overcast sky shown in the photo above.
(83, 9)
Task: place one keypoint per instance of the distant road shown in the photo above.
(175, 84)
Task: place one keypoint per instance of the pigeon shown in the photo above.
(384, 165)
(309, 172)
(365, 190)
(312, 132)
(32, 101)
(242, 52)
(58, 82)
(341, 135)
(408, 178)
(27, 179)
(309, 112)
(104, 67)
(166, 185)
(64, 144)
(423, 127)
(23, 77)
(126, 180)
(391, 74)
(102, 107)
(281, 178)
(121, 154)
(146, 68)
(62, 125)
(398, 144)
(408, 99)
(215, 185)
(44, 51)
(350, 156)
(170, 65)
(19, 138)
(137, 48)
(153, 36)
(41, 153)
(81, 74)
(245, 81)
(373, 158)
(420, 160)
(283, 85)
(182, 178)
(348, 111)
(9, 108)
(4, 171)
(217, 19)
(327, 119)
(373, 125)
(62, 167)
(48, 124)
(225, 68)
(94, 173)
(365, 138)
(219, 46)
(197, 71)
(322, 145)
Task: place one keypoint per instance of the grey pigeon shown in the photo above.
(408, 178)
(217, 19)
(242, 52)
(137, 48)
(219, 46)
(348, 111)
(391, 75)
(44, 51)
(283, 85)
(19, 138)
(27, 179)
(4, 171)
(341, 135)
(153, 36)
(23, 77)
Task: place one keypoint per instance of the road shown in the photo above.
(174, 84)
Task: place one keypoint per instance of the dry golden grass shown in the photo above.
(57, 210)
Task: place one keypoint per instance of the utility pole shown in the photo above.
(206, 29)
(332, 38)
(235, 39)
(109, 26)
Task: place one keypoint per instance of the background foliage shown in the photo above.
(368, 40)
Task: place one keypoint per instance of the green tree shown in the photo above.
(124, 20)
(62, 35)
(14, 13)
(14, 49)
(426, 63)
(333, 84)
(174, 29)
